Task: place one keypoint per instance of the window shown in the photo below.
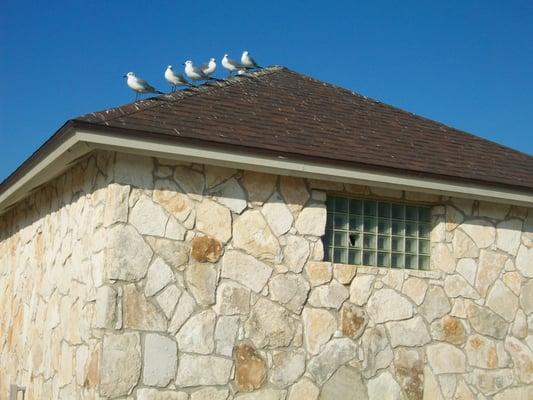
(377, 233)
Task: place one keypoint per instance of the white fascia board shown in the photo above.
(304, 169)
(82, 142)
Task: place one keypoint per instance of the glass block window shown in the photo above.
(377, 233)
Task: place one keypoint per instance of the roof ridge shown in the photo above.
(204, 88)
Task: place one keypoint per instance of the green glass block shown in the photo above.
(423, 263)
(356, 207)
(397, 227)
(424, 214)
(424, 230)
(410, 245)
(383, 259)
(410, 261)
(411, 213)
(341, 205)
(329, 221)
(356, 239)
(411, 229)
(370, 208)
(384, 226)
(340, 221)
(369, 258)
(384, 243)
(356, 223)
(397, 260)
(329, 254)
(369, 241)
(340, 255)
(330, 203)
(398, 211)
(424, 246)
(355, 257)
(397, 243)
(328, 238)
(340, 239)
(370, 225)
(384, 210)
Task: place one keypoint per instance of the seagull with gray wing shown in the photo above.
(209, 67)
(195, 73)
(175, 79)
(247, 61)
(230, 65)
(139, 86)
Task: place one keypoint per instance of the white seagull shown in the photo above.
(195, 73)
(247, 61)
(139, 86)
(230, 65)
(209, 67)
(175, 79)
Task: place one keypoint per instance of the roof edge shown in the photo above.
(76, 139)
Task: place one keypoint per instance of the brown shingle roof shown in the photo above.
(281, 111)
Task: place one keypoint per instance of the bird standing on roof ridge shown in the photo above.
(209, 67)
(175, 79)
(247, 61)
(139, 86)
(230, 65)
(195, 73)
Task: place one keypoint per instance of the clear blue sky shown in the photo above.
(468, 64)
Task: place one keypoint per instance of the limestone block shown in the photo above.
(515, 393)
(258, 185)
(491, 381)
(287, 366)
(159, 275)
(522, 359)
(304, 389)
(197, 335)
(230, 194)
(269, 325)
(201, 279)
(116, 204)
(214, 220)
(186, 306)
(140, 313)
(502, 301)
(154, 394)
(252, 234)
(318, 273)
(127, 255)
(263, 394)
(353, 320)
(312, 220)
(481, 352)
(482, 232)
(319, 327)
(411, 332)
(173, 252)
(204, 248)
(289, 290)
(347, 384)
(133, 170)
(192, 182)
(415, 288)
(508, 235)
(409, 371)
(232, 299)
(121, 364)
(449, 329)
(435, 305)
(526, 297)
(331, 295)
(456, 286)
(384, 387)
(442, 258)
(172, 199)
(200, 370)
(214, 175)
(446, 359)
(295, 192)
(295, 253)
(463, 245)
(160, 360)
(225, 334)
(387, 305)
(168, 298)
(467, 267)
(344, 273)
(147, 217)
(335, 353)
(486, 322)
(210, 393)
(106, 298)
(246, 270)
(524, 261)
(277, 215)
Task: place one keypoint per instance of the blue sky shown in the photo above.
(468, 64)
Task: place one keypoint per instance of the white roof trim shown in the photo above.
(83, 141)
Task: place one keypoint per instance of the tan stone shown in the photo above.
(116, 204)
(139, 313)
(387, 305)
(258, 185)
(232, 299)
(489, 382)
(481, 352)
(296, 253)
(522, 358)
(173, 252)
(353, 320)
(463, 245)
(483, 233)
(171, 198)
(508, 235)
(344, 273)
(453, 218)
(486, 322)
(442, 258)
(214, 220)
(290, 290)
(250, 368)
(192, 182)
(295, 193)
(199, 370)
(202, 281)
(304, 389)
(501, 300)
(197, 335)
(449, 329)
(456, 286)
(215, 175)
(516, 393)
(319, 326)
(416, 289)
(435, 305)
(246, 270)
(493, 210)
(312, 220)
(524, 261)
(277, 215)
(526, 297)
(318, 273)
(490, 265)
(513, 280)
(331, 295)
(252, 234)
(204, 248)
(467, 267)
(410, 332)
(287, 366)
(230, 194)
(445, 359)
(409, 370)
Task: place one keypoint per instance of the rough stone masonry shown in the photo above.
(129, 277)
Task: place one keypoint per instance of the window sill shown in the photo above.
(363, 269)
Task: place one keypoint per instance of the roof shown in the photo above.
(282, 114)
(283, 111)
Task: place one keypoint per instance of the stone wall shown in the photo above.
(151, 279)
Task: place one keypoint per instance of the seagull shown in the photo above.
(139, 86)
(247, 61)
(209, 67)
(195, 73)
(230, 65)
(175, 79)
